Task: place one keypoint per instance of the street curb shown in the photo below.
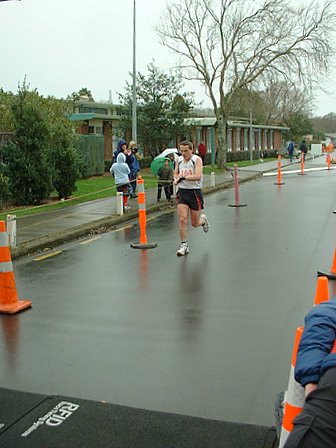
(58, 238)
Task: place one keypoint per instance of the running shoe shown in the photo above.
(183, 250)
(127, 207)
(205, 224)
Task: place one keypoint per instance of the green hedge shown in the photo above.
(145, 162)
(91, 151)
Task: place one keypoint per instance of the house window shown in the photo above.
(95, 110)
(91, 130)
(99, 130)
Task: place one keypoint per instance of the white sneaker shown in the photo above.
(183, 250)
(127, 207)
(205, 224)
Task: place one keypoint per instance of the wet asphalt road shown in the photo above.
(208, 335)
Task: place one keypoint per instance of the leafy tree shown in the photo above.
(299, 125)
(42, 154)
(6, 119)
(229, 45)
(27, 157)
(161, 109)
(84, 91)
(4, 180)
(63, 156)
(327, 123)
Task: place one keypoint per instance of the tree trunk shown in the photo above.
(221, 149)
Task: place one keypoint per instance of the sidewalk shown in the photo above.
(45, 230)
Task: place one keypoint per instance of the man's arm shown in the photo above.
(198, 171)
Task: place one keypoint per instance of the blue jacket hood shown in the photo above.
(120, 143)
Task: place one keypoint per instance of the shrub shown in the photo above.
(108, 164)
(4, 188)
(145, 162)
(65, 161)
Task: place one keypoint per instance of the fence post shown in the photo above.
(120, 205)
(11, 229)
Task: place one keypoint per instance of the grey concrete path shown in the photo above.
(37, 232)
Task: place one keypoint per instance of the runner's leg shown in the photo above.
(182, 210)
(195, 216)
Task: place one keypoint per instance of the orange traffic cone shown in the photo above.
(9, 302)
(279, 172)
(302, 172)
(328, 161)
(295, 395)
(143, 243)
(332, 273)
(322, 290)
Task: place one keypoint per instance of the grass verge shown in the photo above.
(87, 190)
(99, 187)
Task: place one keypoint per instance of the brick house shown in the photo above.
(240, 134)
(97, 119)
(102, 119)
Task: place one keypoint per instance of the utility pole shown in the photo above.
(134, 106)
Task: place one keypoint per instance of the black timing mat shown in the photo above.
(39, 421)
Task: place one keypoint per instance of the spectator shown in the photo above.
(121, 171)
(315, 369)
(290, 149)
(166, 177)
(303, 149)
(134, 166)
(202, 150)
(122, 146)
(173, 158)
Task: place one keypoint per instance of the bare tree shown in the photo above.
(229, 45)
(279, 100)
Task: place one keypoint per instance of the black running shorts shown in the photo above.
(192, 198)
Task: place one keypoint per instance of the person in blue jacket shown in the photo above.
(134, 166)
(315, 369)
(121, 147)
(290, 149)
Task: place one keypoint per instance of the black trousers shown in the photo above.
(315, 427)
(166, 190)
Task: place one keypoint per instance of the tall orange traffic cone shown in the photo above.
(332, 273)
(295, 395)
(9, 302)
(143, 243)
(302, 172)
(279, 172)
(328, 161)
(322, 290)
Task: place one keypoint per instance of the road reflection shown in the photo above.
(192, 291)
(10, 326)
(143, 271)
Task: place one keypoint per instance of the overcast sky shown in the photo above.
(63, 45)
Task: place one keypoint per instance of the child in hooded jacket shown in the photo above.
(121, 171)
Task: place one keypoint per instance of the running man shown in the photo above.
(188, 175)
